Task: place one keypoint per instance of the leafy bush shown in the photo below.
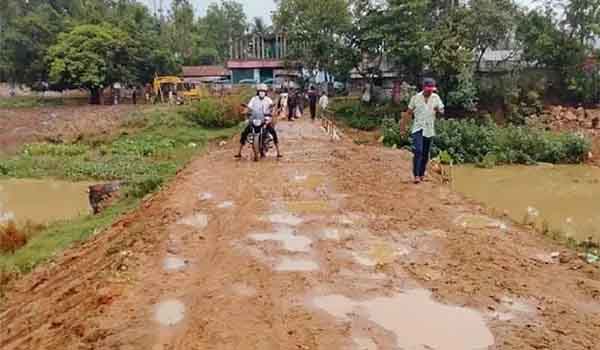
(367, 118)
(470, 142)
(144, 186)
(213, 113)
(393, 135)
(465, 94)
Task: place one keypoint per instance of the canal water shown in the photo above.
(563, 198)
(42, 201)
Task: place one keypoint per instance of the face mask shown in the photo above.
(262, 94)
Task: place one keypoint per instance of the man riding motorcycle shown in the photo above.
(260, 107)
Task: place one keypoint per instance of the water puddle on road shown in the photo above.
(197, 221)
(290, 241)
(309, 207)
(285, 219)
(173, 263)
(225, 205)
(169, 312)
(42, 201)
(296, 265)
(564, 197)
(417, 321)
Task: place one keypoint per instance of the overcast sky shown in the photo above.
(253, 8)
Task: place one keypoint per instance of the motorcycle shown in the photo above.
(260, 139)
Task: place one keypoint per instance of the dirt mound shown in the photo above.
(58, 124)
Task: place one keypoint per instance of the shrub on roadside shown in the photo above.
(471, 142)
(367, 118)
(213, 113)
(11, 238)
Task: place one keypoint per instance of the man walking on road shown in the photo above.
(313, 98)
(424, 108)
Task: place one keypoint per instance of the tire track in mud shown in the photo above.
(393, 259)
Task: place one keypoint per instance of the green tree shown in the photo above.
(491, 23)
(93, 57)
(223, 22)
(315, 29)
(27, 31)
(582, 19)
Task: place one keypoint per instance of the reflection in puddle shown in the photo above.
(169, 313)
(289, 265)
(225, 205)
(42, 201)
(309, 207)
(206, 196)
(364, 343)
(417, 321)
(174, 263)
(479, 222)
(290, 241)
(562, 197)
(197, 220)
(285, 219)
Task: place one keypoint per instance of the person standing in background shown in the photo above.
(313, 97)
(323, 103)
(292, 105)
(134, 95)
(424, 108)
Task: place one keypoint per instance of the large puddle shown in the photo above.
(42, 201)
(417, 321)
(563, 198)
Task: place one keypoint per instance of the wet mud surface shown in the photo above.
(332, 247)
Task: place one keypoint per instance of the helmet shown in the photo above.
(262, 87)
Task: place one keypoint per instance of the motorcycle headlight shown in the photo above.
(257, 122)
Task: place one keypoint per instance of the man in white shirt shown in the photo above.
(424, 107)
(323, 102)
(261, 107)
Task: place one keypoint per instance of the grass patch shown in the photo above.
(60, 235)
(154, 146)
(30, 102)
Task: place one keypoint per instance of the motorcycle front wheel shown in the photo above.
(256, 146)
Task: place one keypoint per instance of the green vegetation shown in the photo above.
(364, 117)
(30, 102)
(43, 244)
(213, 113)
(488, 144)
(156, 144)
(162, 141)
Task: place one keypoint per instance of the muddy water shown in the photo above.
(564, 198)
(42, 201)
(417, 321)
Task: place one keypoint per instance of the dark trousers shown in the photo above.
(291, 112)
(421, 149)
(248, 130)
(313, 111)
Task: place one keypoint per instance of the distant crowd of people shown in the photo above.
(292, 103)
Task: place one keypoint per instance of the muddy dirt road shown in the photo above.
(330, 248)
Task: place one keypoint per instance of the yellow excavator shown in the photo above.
(183, 91)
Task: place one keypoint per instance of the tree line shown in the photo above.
(92, 43)
(444, 38)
